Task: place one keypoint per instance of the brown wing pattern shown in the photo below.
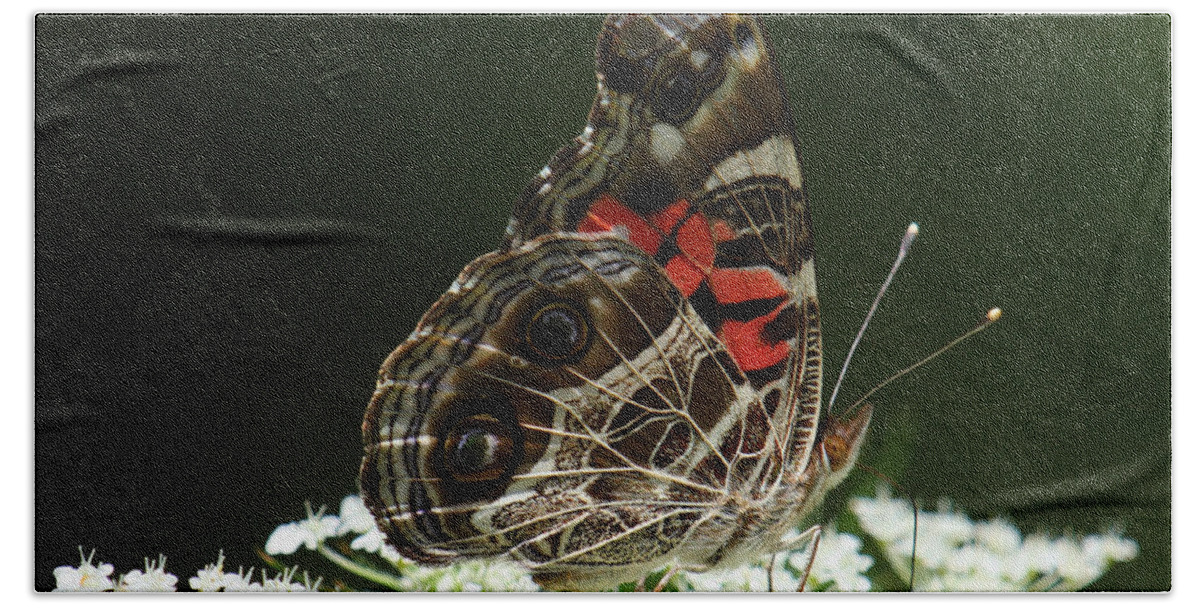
(690, 152)
(562, 403)
(634, 379)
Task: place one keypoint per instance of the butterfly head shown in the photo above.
(841, 439)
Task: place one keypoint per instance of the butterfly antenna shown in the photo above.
(992, 316)
(910, 235)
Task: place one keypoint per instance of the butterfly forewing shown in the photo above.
(690, 152)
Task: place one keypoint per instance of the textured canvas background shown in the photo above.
(237, 218)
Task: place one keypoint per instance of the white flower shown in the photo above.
(84, 578)
(973, 568)
(155, 578)
(278, 585)
(1110, 547)
(939, 536)
(742, 578)
(390, 553)
(283, 582)
(504, 575)
(286, 539)
(375, 542)
(954, 553)
(240, 582)
(998, 536)
(314, 529)
(838, 561)
(1037, 554)
(214, 578)
(211, 578)
(371, 542)
(355, 517)
(477, 575)
(888, 521)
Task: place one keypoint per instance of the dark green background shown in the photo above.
(237, 218)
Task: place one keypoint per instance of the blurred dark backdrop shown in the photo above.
(238, 217)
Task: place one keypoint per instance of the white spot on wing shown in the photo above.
(775, 156)
(804, 283)
(420, 441)
(750, 51)
(665, 142)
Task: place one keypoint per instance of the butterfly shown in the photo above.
(633, 379)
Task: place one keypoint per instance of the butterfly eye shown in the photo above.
(479, 449)
(557, 334)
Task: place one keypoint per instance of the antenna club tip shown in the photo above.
(993, 315)
(913, 229)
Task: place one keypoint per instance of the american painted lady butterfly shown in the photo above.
(634, 379)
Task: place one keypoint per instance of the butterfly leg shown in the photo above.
(662, 582)
(811, 537)
(771, 573)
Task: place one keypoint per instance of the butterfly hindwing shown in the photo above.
(569, 369)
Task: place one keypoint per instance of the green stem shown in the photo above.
(370, 574)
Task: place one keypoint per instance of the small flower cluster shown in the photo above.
(496, 575)
(97, 577)
(837, 566)
(86, 577)
(355, 519)
(214, 578)
(312, 531)
(155, 578)
(954, 553)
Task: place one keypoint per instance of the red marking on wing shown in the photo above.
(607, 213)
(733, 285)
(722, 232)
(688, 269)
(745, 343)
(666, 219)
(684, 275)
(696, 242)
